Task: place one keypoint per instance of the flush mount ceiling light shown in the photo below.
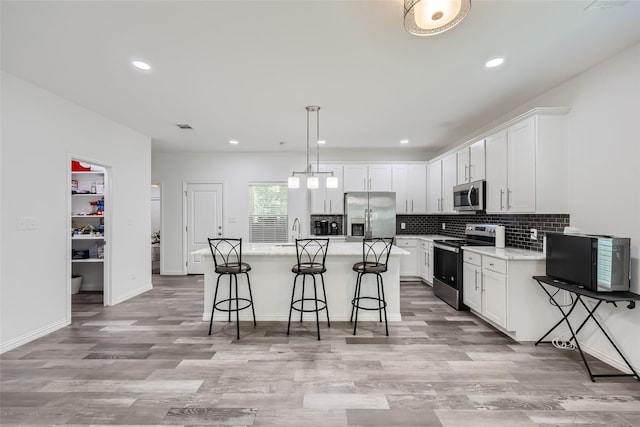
(492, 63)
(404, 141)
(141, 65)
(233, 142)
(430, 17)
(311, 174)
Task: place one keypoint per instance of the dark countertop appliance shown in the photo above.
(448, 260)
(595, 263)
(321, 228)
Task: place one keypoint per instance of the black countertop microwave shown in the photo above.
(470, 196)
(596, 263)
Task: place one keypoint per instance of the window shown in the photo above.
(268, 220)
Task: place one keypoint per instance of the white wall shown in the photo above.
(39, 132)
(235, 171)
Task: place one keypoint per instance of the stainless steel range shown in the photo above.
(447, 262)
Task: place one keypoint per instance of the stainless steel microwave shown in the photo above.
(470, 196)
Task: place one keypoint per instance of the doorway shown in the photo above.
(89, 219)
(203, 213)
(156, 196)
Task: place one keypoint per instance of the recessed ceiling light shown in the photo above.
(322, 141)
(494, 62)
(404, 141)
(233, 142)
(141, 65)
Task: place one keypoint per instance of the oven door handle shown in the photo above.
(469, 196)
(446, 248)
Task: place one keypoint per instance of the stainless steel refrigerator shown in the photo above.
(370, 214)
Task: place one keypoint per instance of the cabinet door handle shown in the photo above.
(470, 171)
(465, 172)
(330, 206)
(482, 283)
(476, 279)
(501, 196)
(369, 183)
(508, 199)
(412, 206)
(324, 206)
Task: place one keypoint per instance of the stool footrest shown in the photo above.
(311, 310)
(248, 301)
(381, 303)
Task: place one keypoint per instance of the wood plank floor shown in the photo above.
(149, 361)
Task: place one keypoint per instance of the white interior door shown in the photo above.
(204, 220)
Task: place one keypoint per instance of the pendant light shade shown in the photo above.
(293, 182)
(430, 17)
(332, 182)
(312, 180)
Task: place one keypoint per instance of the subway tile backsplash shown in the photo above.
(517, 226)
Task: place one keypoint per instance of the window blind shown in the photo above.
(268, 219)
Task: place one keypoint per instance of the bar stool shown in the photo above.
(311, 255)
(227, 258)
(375, 256)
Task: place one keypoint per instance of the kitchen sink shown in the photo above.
(284, 245)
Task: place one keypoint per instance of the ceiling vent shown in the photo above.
(184, 126)
(606, 4)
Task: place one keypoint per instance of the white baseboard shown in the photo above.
(132, 294)
(172, 273)
(33, 335)
(608, 358)
(223, 317)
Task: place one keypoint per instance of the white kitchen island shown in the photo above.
(272, 282)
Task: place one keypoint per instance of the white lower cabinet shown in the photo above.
(503, 293)
(425, 261)
(408, 264)
(494, 297)
(485, 287)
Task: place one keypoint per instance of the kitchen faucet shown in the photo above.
(296, 227)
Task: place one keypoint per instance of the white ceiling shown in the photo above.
(245, 70)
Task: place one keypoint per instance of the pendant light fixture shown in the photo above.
(430, 17)
(312, 179)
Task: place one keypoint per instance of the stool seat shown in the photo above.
(369, 267)
(233, 268)
(308, 268)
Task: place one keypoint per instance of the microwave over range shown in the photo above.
(470, 196)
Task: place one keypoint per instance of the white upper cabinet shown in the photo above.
(441, 178)
(410, 186)
(449, 166)
(471, 163)
(434, 187)
(328, 201)
(496, 147)
(526, 166)
(363, 177)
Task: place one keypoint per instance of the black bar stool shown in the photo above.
(227, 257)
(311, 255)
(375, 256)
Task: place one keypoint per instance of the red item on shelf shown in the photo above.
(76, 166)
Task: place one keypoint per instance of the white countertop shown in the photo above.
(429, 237)
(336, 248)
(506, 253)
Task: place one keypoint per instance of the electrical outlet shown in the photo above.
(444, 226)
(403, 226)
(534, 234)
